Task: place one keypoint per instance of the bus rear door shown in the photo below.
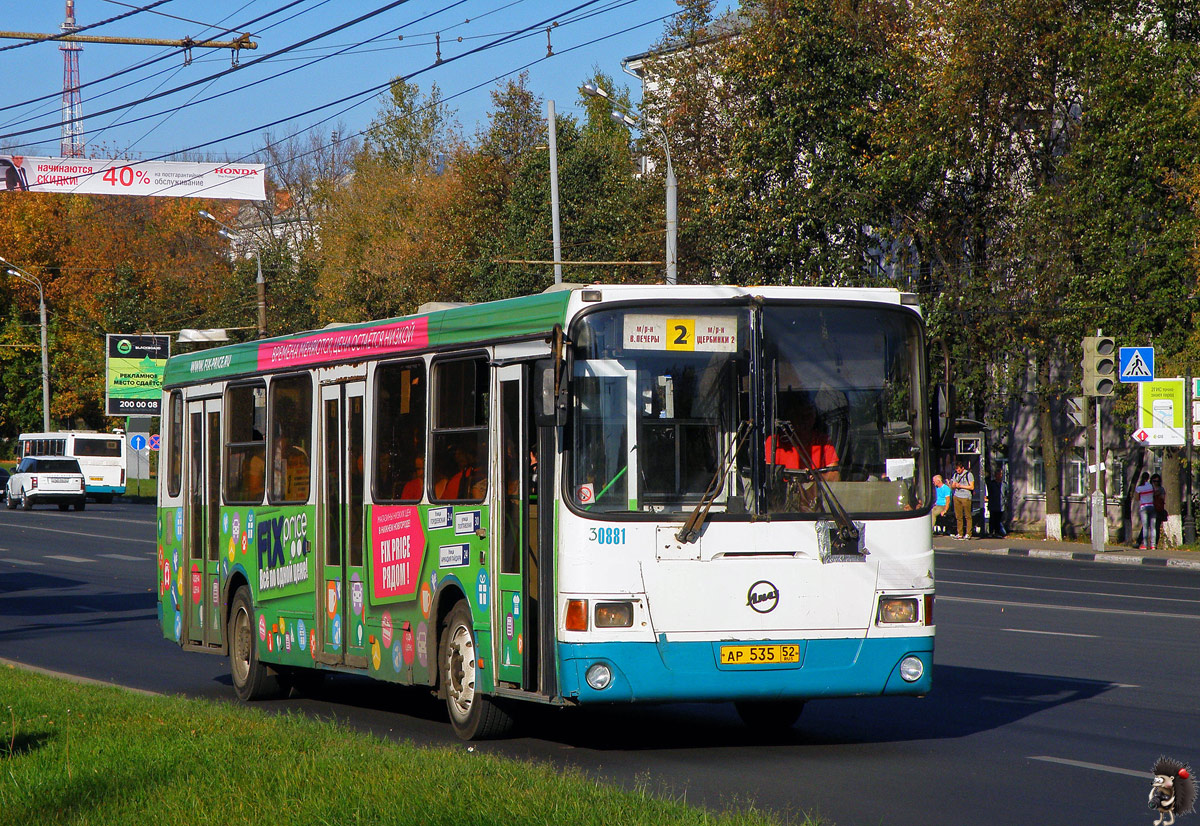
(342, 584)
(202, 537)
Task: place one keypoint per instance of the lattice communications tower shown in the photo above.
(72, 105)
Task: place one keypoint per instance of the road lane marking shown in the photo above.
(65, 558)
(90, 518)
(24, 562)
(89, 535)
(1084, 609)
(1075, 580)
(1049, 633)
(127, 557)
(1079, 764)
(1062, 591)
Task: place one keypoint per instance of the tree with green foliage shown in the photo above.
(795, 202)
(410, 129)
(604, 211)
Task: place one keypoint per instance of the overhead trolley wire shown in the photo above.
(150, 61)
(54, 37)
(277, 75)
(175, 110)
(231, 70)
(536, 27)
(362, 96)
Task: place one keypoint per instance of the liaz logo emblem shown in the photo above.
(762, 597)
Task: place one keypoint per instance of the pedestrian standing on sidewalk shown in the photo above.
(995, 503)
(963, 484)
(942, 503)
(1145, 494)
(1160, 505)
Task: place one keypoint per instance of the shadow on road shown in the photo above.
(964, 701)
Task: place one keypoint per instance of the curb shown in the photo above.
(1077, 556)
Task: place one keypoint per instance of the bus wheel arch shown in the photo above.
(252, 678)
(473, 714)
(236, 581)
(443, 603)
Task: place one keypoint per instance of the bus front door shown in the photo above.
(518, 538)
(340, 507)
(202, 537)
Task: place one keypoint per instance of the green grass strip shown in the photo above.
(85, 754)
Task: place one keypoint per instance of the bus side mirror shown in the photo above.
(551, 410)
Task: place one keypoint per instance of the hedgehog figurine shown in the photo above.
(1173, 790)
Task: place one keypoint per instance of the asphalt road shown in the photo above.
(1056, 685)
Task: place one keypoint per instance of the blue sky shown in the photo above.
(600, 33)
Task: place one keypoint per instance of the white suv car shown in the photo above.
(45, 480)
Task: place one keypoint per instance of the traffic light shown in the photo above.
(1099, 366)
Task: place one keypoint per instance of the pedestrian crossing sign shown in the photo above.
(1136, 364)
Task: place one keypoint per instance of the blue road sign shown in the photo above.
(137, 442)
(1136, 364)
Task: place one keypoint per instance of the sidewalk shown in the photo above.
(1078, 551)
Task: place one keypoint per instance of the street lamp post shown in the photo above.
(622, 115)
(16, 271)
(260, 284)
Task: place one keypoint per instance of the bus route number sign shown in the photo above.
(699, 334)
(774, 654)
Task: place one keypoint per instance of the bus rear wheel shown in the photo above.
(769, 715)
(252, 680)
(473, 715)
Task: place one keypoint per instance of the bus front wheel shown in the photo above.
(252, 680)
(769, 715)
(473, 715)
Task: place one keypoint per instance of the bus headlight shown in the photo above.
(911, 669)
(614, 614)
(897, 609)
(599, 676)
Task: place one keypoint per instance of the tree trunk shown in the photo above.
(1173, 527)
(1049, 454)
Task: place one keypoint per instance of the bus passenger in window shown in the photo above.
(415, 486)
(290, 463)
(469, 482)
(253, 477)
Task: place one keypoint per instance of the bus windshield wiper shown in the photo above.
(845, 538)
(690, 531)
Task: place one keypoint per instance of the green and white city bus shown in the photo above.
(600, 494)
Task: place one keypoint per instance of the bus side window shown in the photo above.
(460, 435)
(400, 432)
(245, 444)
(175, 444)
(291, 438)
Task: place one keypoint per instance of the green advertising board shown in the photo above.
(134, 368)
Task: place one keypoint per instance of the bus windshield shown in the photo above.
(827, 398)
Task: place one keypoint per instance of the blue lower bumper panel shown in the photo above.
(691, 671)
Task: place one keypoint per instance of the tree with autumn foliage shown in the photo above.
(108, 264)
